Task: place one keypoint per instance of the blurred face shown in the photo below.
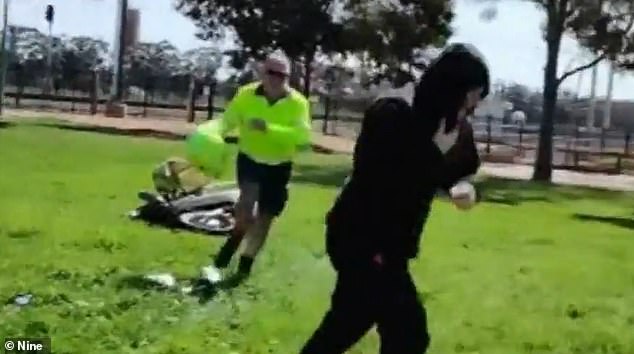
(472, 100)
(274, 77)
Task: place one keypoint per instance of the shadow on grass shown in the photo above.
(23, 233)
(491, 190)
(4, 124)
(141, 133)
(201, 289)
(147, 133)
(327, 176)
(514, 193)
(627, 223)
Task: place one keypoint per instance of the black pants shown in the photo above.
(368, 295)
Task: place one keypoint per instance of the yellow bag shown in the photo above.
(207, 150)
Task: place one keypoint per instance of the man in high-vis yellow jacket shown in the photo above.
(273, 123)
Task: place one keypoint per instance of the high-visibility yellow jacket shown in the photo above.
(287, 119)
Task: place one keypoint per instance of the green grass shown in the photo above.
(534, 269)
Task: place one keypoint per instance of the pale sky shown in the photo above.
(512, 44)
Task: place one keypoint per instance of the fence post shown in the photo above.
(489, 119)
(324, 123)
(145, 98)
(94, 82)
(574, 147)
(628, 137)
(191, 100)
(210, 99)
(521, 133)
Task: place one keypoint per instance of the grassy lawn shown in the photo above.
(534, 269)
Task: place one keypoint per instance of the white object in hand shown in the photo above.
(464, 190)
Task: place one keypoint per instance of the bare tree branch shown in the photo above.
(580, 69)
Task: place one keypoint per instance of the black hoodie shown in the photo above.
(396, 173)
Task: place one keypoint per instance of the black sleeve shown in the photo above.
(462, 160)
(382, 156)
(380, 139)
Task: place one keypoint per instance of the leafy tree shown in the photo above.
(300, 28)
(149, 64)
(241, 76)
(602, 26)
(203, 62)
(79, 57)
(29, 59)
(72, 58)
(333, 81)
(394, 35)
(202, 65)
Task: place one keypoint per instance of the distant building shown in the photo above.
(493, 106)
(622, 113)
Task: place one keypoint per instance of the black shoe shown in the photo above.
(226, 252)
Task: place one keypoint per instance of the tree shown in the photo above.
(394, 36)
(202, 65)
(300, 28)
(303, 37)
(149, 64)
(29, 58)
(79, 57)
(203, 62)
(602, 26)
(390, 34)
(333, 81)
(520, 97)
(71, 67)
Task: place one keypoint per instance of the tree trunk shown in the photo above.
(145, 99)
(308, 61)
(73, 93)
(19, 82)
(18, 94)
(544, 160)
(324, 124)
(94, 79)
(191, 106)
(210, 99)
(294, 77)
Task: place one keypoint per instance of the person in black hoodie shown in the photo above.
(403, 155)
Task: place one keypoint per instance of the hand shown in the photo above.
(258, 124)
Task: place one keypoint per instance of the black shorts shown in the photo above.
(272, 181)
